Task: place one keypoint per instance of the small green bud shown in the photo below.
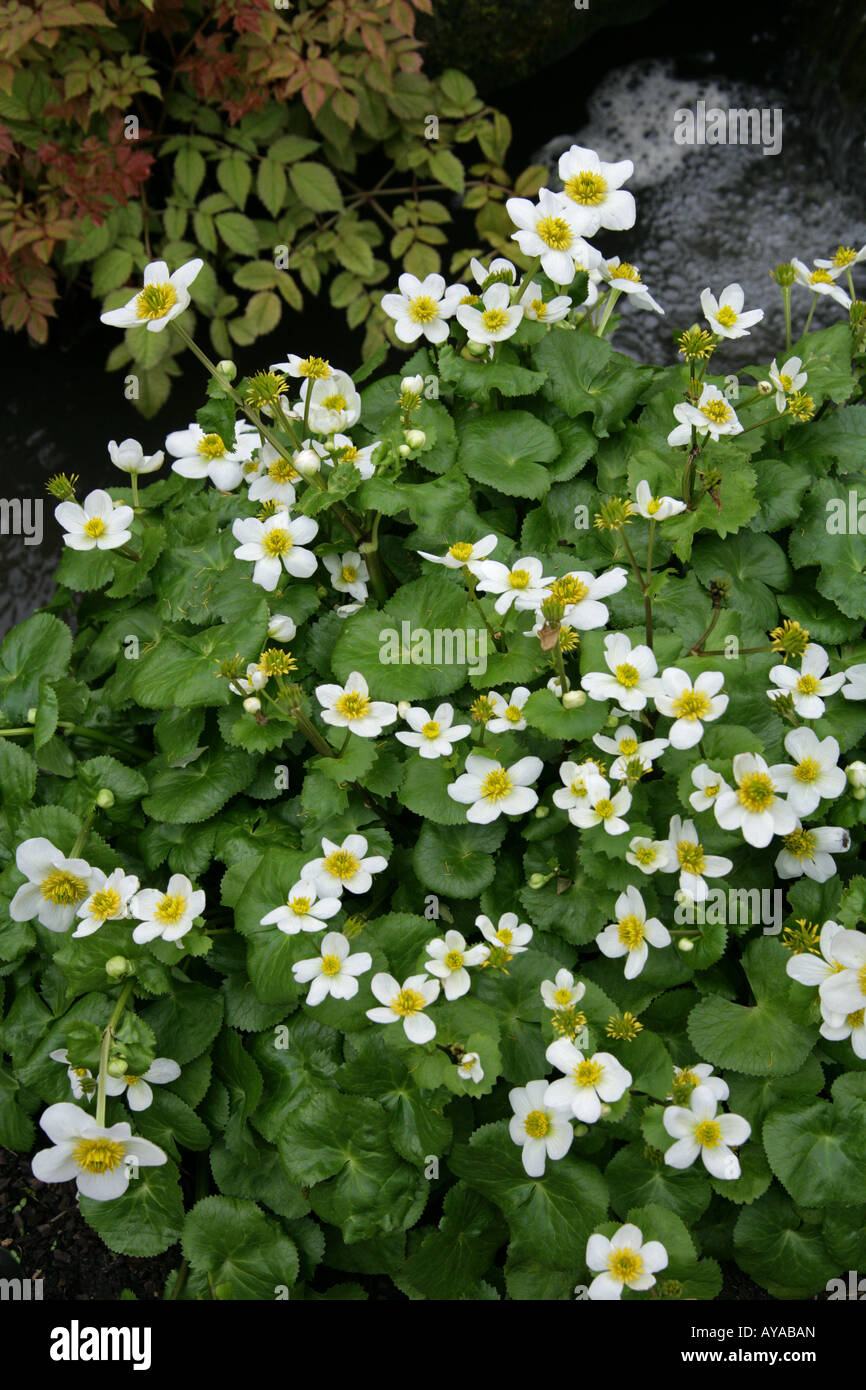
(476, 349)
(404, 451)
(542, 812)
(118, 966)
(416, 439)
(227, 369)
(252, 704)
(31, 714)
(686, 945)
(105, 798)
(118, 1066)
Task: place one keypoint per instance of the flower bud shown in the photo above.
(307, 462)
(538, 880)
(477, 349)
(31, 714)
(541, 812)
(416, 439)
(765, 387)
(105, 798)
(404, 451)
(605, 1110)
(118, 1066)
(281, 627)
(573, 699)
(686, 945)
(856, 774)
(227, 369)
(252, 704)
(412, 385)
(612, 721)
(403, 708)
(118, 966)
(580, 1130)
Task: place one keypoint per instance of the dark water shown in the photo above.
(705, 217)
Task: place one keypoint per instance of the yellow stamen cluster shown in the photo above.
(408, 1002)
(496, 785)
(275, 662)
(316, 368)
(343, 864)
(615, 512)
(98, 1155)
(695, 344)
(790, 639)
(586, 188)
(567, 1021)
(804, 936)
(155, 300)
(482, 710)
(265, 388)
(801, 406)
(624, 1027)
(352, 705)
(63, 888)
(170, 908)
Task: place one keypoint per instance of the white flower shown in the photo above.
(55, 885)
(648, 855)
(550, 229)
(255, 679)
(434, 738)
(169, 914)
(350, 707)
(163, 297)
(333, 972)
(810, 852)
(631, 754)
(701, 1074)
(348, 573)
(522, 583)
(109, 900)
(686, 855)
(690, 705)
(469, 1067)
(708, 784)
(697, 1130)
(304, 367)
(625, 1262)
(572, 793)
(787, 379)
(807, 688)
(843, 991)
(275, 478)
(838, 1027)
(281, 627)
(95, 1156)
(821, 281)
(76, 1074)
(462, 552)
(587, 1083)
(632, 680)
(274, 545)
(422, 306)
(594, 189)
(588, 259)
(344, 451)
(713, 415)
(561, 992)
(653, 508)
(508, 717)
(97, 525)
(498, 266)
(815, 773)
(138, 1093)
(543, 1131)
(600, 808)
(754, 807)
(345, 610)
(725, 314)
(843, 259)
(405, 1002)
(200, 455)
(129, 457)
(809, 969)
(625, 278)
(449, 961)
(489, 789)
(495, 321)
(343, 866)
(632, 934)
(303, 909)
(333, 404)
(540, 311)
(583, 609)
(509, 932)
(856, 678)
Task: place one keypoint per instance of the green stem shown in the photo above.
(608, 310)
(647, 601)
(786, 296)
(631, 555)
(374, 562)
(696, 649)
(105, 1051)
(130, 554)
(96, 736)
(850, 281)
(471, 585)
(133, 478)
(809, 315)
(560, 667)
(527, 280)
(82, 834)
(6, 733)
